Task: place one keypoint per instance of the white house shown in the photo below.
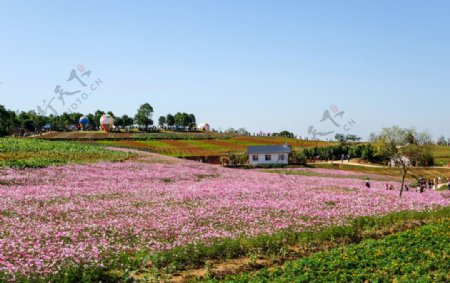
(269, 155)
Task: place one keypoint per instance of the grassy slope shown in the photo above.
(22, 153)
(441, 154)
(209, 147)
(418, 255)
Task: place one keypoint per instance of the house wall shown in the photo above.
(262, 159)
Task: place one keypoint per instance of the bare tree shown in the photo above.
(402, 162)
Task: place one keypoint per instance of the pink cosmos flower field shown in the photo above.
(81, 214)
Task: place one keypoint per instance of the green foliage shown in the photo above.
(183, 120)
(7, 119)
(285, 134)
(417, 255)
(21, 153)
(144, 115)
(299, 157)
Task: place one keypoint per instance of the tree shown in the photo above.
(162, 121)
(127, 121)
(345, 139)
(144, 115)
(402, 162)
(353, 138)
(28, 125)
(231, 131)
(91, 119)
(285, 134)
(118, 122)
(192, 122)
(7, 120)
(98, 114)
(400, 146)
(442, 141)
(340, 138)
(181, 120)
(170, 120)
(242, 131)
(423, 138)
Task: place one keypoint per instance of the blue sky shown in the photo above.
(262, 65)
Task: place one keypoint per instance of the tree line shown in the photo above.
(31, 121)
(178, 121)
(381, 148)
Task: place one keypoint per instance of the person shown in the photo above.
(430, 184)
(423, 184)
(387, 186)
(436, 183)
(368, 183)
(448, 184)
(391, 188)
(407, 188)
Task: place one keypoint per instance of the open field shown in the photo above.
(441, 154)
(209, 147)
(132, 135)
(90, 221)
(185, 144)
(22, 153)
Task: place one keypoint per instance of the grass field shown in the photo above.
(23, 153)
(208, 147)
(441, 154)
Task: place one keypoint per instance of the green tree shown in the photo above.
(442, 141)
(191, 121)
(181, 120)
(118, 122)
(286, 134)
(127, 121)
(7, 120)
(162, 121)
(144, 115)
(170, 120)
(98, 114)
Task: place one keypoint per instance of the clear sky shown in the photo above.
(262, 65)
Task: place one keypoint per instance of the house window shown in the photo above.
(281, 157)
(268, 157)
(255, 158)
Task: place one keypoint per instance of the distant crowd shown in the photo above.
(422, 184)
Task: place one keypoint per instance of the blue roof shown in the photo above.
(268, 149)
